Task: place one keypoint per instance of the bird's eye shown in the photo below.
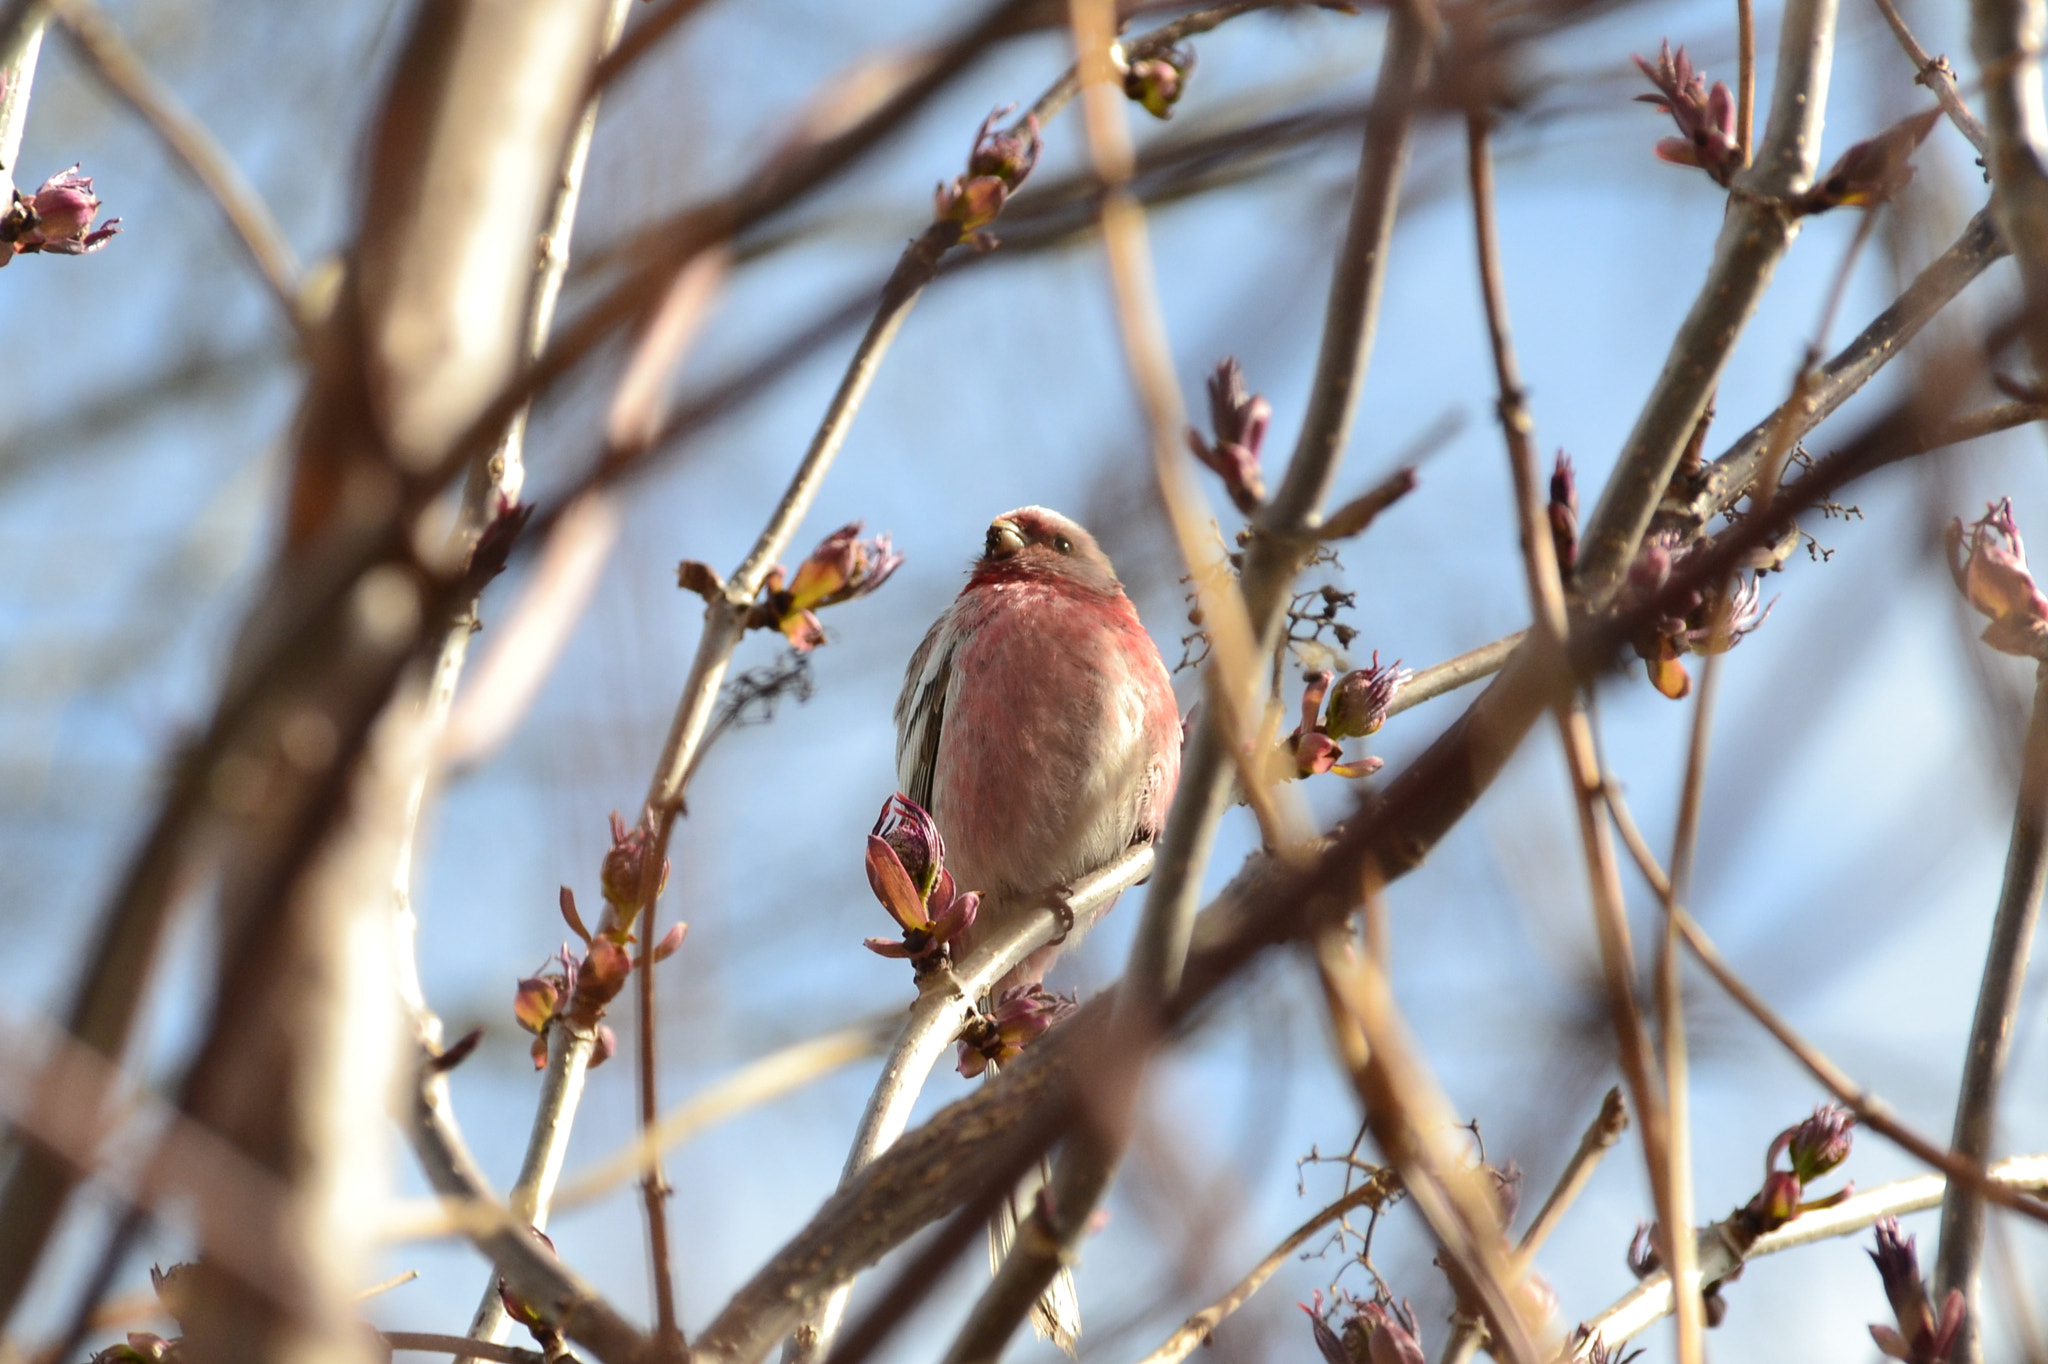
(1063, 544)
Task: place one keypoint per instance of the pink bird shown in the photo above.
(1037, 722)
(1038, 725)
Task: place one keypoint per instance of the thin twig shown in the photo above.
(1871, 1110)
(1719, 1258)
(1934, 73)
(1745, 78)
(427, 1342)
(122, 68)
(653, 1183)
(1547, 604)
(1671, 1008)
(1197, 1329)
(1598, 1139)
(1453, 673)
(1998, 1002)
(1412, 1122)
(529, 1267)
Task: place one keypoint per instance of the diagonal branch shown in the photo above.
(1758, 229)
(122, 68)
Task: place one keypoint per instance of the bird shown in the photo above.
(1037, 723)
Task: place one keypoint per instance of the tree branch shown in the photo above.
(1720, 1255)
(2006, 35)
(1753, 239)
(1998, 1002)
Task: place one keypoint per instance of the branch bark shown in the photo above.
(1998, 1002)
(1754, 238)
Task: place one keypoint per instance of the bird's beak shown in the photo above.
(1004, 539)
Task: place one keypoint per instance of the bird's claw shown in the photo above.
(1063, 907)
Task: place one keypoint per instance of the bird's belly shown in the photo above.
(1041, 766)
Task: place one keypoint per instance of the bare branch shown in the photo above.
(1998, 1002)
(2005, 35)
(1196, 1330)
(1934, 73)
(1758, 230)
(122, 68)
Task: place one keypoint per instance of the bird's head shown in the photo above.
(1036, 542)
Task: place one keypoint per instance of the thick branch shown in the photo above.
(2007, 37)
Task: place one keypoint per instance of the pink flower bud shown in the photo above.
(1239, 421)
(670, 943)
(1817, 1145)
(1994, 577)
(603, 972)
(1007, 154)
(1564, 514)
(1359, 704)
(623, 875)
(1777, 1202)
(1706, 121)
(58, 217)
(1921, 1337)
(1158, 82)
(1872, 170)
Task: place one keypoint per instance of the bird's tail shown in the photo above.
(1056, 1316)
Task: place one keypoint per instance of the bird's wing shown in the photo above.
(921, 712)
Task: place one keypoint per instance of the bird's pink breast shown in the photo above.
(1061, 742)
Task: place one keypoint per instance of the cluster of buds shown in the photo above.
(577, 995)
(1239, 420)
(1703, 622)
(1872, 170)
(1564, 515)
(1990, 566)
(1375, 1332)
(1705, 119)
(1921, 1336)
(1358, 707)
(1158, 81)
(907, 870)
(1812, 1148)
(1020, 1017)
(174, 1295)
(56, 219)
(842, 567)
(997, 165)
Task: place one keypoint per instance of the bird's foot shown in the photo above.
(1062, 906)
